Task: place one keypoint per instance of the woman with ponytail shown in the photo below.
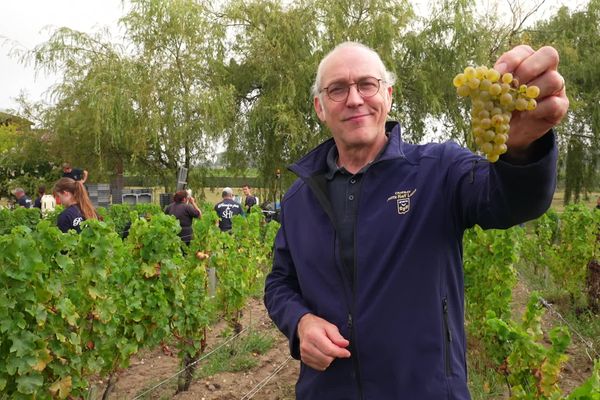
(78, 206)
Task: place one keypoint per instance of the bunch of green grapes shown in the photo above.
(493, 99)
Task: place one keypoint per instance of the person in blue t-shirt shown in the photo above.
(250, 200)
(78, 207)
(226, 209)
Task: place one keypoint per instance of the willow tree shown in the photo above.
(575, 35)
(183, 108)
(148, 103)
(93, 120)
(271, 65)
(274, 59)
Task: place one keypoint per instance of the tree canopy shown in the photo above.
(190, 77)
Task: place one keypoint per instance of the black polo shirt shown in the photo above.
(75, 174)
(344, 189)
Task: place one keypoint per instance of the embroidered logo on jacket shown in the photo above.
(402, 200)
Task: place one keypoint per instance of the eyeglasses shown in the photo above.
(366, 87)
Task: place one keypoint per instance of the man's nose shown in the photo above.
(354, 97)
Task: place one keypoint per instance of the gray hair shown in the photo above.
(387, 76)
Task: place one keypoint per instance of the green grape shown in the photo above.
(521, 104)
(495, 89)
(532, 92)
(500, 138)
(494, 97)
(463, 91)
(507, 78)
(470, 72)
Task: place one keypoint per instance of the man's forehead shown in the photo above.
(355, 62)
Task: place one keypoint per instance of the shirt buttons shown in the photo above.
(351, 197)
(352, 180)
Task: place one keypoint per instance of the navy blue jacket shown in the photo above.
(404, 313)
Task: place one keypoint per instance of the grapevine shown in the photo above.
(494, 97)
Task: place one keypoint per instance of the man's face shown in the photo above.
(66, 170)
(18, 195)
(246, 190)
(356, 122)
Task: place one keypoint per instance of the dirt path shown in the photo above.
(154, 367)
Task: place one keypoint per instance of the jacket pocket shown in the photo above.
(447, 338)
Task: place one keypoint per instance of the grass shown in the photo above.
(559, 197)
(484, 382)
(579, 318)
(238, 355)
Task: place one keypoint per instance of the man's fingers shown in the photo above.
(509, 61)
(328, 348)
(340, 343)
(551, 83)
(526, 64)
(315, 358)
(320, 342)
(543, 60)
(552, 109)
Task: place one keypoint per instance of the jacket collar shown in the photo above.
(315, 162)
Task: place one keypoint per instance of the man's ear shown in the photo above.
(390, 98)
(319, 108)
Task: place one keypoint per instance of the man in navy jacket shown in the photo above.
(367, 279)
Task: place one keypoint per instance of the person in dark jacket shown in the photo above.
(367, 280)
(22, 199)
(185, 209)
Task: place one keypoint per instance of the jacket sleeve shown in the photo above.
(502, 194)
(283, 296)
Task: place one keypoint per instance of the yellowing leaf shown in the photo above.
(39, 366)
(62, 388)
(44, 359)
(148, 270)
(93, 292)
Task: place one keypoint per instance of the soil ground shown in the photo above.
(154, 367)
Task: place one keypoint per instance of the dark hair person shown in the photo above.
(185, 209)
(78, 206)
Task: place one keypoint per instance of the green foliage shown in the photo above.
(489, 257)
(190, 74)
(531, 367)
(80, 305)
(19, 216)
(562, 245)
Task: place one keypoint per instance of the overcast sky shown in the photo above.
(24, 23)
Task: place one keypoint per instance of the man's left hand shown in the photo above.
(537, 68)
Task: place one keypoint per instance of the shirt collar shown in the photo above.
(332, 156)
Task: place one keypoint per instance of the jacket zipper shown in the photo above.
(355, 359)
(447, 338)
